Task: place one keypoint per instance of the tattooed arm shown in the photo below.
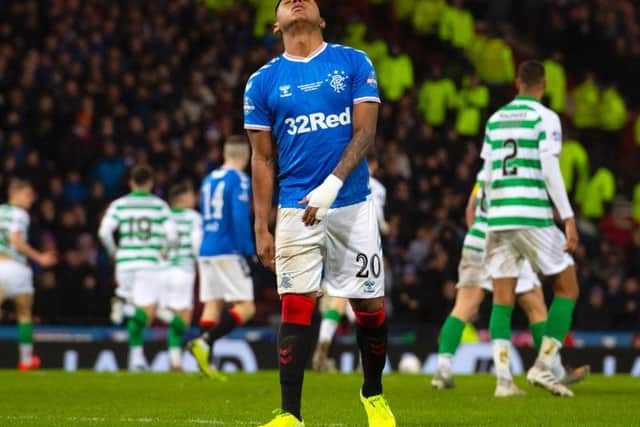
(365, 119)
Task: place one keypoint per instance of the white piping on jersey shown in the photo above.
(317, 52)
(257, 127)
(367, 99)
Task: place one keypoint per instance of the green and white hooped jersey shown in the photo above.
(189, 224)
(12, 219)
(476, 237)
(516, 137)
(144, 227)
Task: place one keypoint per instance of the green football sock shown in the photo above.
(500, 322)
(537, 332)
(176, 329)
(332, 315)
(559, 319)
(25, 333)
(140, 316)
(450, 335)
(136, 325)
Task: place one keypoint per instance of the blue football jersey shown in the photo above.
(226, 216)
(307, 103)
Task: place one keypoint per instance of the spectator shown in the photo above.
(74, 189)
(593, 315)
(436, 98)
(395, 74)
(110, 169)
(556, 82)
(472, 102)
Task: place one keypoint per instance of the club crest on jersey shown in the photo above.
(285, 91)
(369, 286)
(372, 80)
(285, 281)
(337, 80)
(248, 105)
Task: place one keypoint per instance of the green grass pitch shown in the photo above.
(53, 398)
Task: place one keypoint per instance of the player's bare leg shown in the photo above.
(566, 293)
(500, 331)
(371, 333)
(330, 320)
(215, 323)
(136, 325)
(24, 305)
(468, 300)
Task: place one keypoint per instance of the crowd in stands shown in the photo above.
(90, 88)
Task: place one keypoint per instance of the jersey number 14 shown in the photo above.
(213, 203)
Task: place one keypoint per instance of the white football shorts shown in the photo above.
(143, 288)
(15, 278)
(225, 277)
(543, 247)
(473, 272)
(178, 288)
(345, 247)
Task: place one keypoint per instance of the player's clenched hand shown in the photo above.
(266, 249)
(571, 234)
(320, 200)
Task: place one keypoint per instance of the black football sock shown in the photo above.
(373, 349)
(294, 345)
(206, 325)
(229, 320)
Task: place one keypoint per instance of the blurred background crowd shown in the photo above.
(89, 88)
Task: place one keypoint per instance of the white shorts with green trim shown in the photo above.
(473, 273)
(543, 247)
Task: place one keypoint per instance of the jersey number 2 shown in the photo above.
(514, 146)
(213, 204)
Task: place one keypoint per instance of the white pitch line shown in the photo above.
(145, 420)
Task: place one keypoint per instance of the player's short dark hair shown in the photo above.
(17, 183)
(141, 174)
(531, 73)
(179, 188)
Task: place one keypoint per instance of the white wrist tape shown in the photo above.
(323, 196)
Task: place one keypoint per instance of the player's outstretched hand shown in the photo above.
(320, 200)
(571, 234)
(266, 250)
(47, 259)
